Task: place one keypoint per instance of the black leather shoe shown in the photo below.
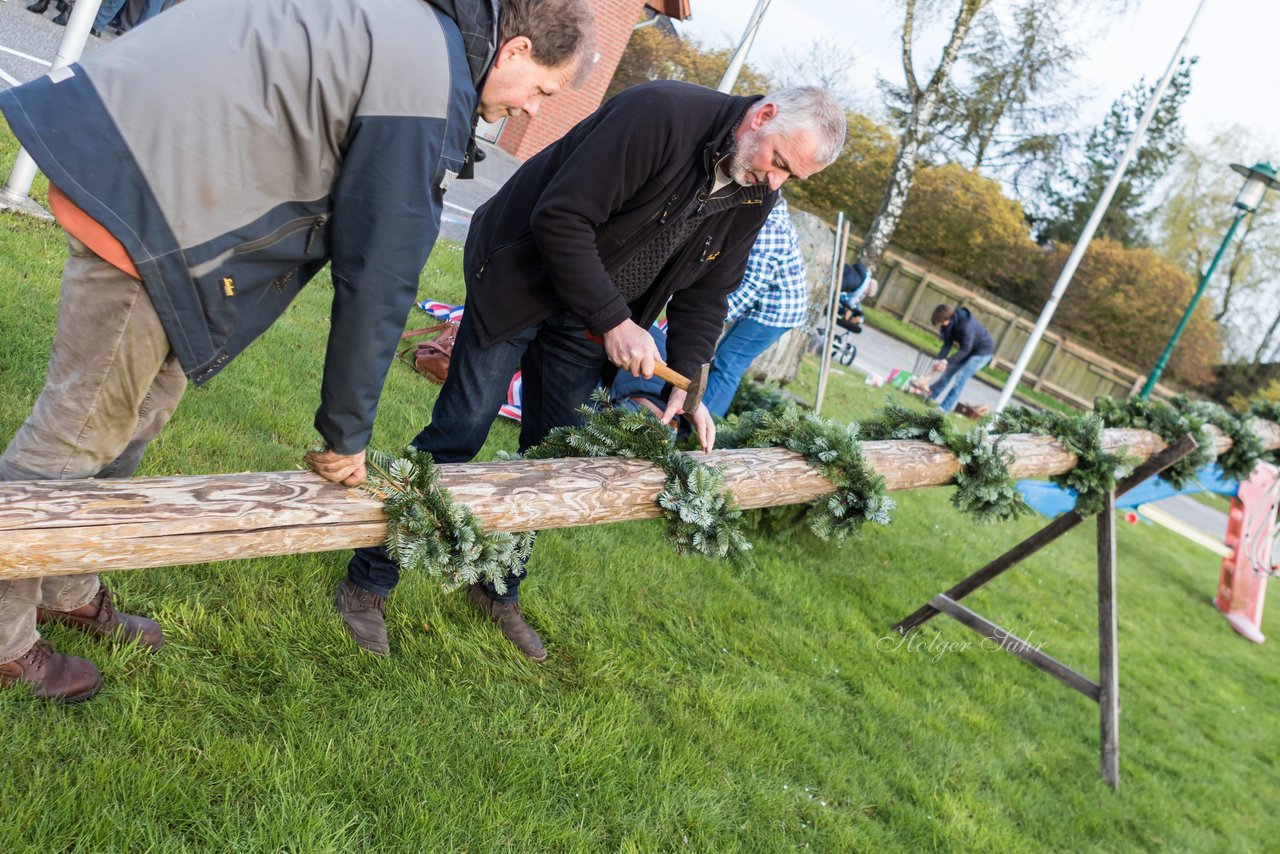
(508, 617)
(39, 6)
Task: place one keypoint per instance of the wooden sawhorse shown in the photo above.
(1106, 691)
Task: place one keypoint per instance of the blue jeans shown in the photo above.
(560, 367)
(957, 374)
(109, 8)
(739, 347)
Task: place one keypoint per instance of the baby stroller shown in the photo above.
(848, 324)
(848, 314)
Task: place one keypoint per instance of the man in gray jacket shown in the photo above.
(205, 168)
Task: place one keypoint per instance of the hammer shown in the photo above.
(693, 386)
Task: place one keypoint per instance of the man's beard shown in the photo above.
(740, 161)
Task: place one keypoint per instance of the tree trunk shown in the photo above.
(1234, 267)
(1268, 340)
(924, 104)
(75, 526)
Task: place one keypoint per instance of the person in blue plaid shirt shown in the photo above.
(772, 298)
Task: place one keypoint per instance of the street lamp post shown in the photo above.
(1258, 178)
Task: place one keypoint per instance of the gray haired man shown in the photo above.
(651, 203)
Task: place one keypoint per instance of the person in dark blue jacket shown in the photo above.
(974, 349)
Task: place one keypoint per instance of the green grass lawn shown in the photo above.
(685, 705)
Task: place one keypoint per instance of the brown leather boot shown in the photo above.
(52, 675)
(101, 620)
(508, 617)
(365, 616)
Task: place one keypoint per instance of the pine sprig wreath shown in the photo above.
(831, 448)
(1169, 424)
(1246, 446)
(427, 531)
(1096, 469)
(984, 489)
(701, 517)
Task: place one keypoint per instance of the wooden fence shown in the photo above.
(911, 287)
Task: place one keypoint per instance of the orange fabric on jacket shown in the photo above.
(90, 232)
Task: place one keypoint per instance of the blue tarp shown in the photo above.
(1050, 500)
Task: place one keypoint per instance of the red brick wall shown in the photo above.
(524, 137)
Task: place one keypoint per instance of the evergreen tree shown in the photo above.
(1070, 205)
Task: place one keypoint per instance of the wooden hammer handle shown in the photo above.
(661, 370)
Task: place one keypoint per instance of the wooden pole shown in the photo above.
(68, 527)
(1108, 652)
(833, 300)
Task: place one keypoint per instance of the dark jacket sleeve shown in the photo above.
(695, 315)
(387, 202)
(948, 335)
(617, 156)
(966, 336)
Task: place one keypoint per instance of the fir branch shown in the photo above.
(427, 531)
(1246, 447)
(831, 448)
(1269, 410)
(984, 488)
(1169, 424)
(752, 395)
(1096, 470)
(701, 517)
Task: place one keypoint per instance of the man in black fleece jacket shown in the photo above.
(974, 349)
(650, 203)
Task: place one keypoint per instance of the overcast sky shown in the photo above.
(1235, 82)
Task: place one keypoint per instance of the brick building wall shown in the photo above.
(524, 137)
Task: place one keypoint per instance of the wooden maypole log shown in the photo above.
(66, 527)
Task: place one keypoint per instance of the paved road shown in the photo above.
(28, 42)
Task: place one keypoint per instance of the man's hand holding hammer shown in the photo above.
(632, 349)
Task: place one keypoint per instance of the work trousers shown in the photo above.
(559, 366)
(111, 385)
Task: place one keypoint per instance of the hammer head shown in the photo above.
(697, 385)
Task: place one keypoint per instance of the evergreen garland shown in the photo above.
(1096, 469)
(984, 488)
(701, 517)
(831, 448)
(1246, 447)
(1169, 424)
(1270, 410)
(428, 531)
(752, 395)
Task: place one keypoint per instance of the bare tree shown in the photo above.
(923, 103)
(826, 62)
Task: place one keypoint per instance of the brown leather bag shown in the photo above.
(431, 358)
